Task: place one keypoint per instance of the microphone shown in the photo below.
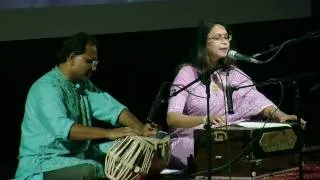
(232, 54)
(229, 91)
(155, 105)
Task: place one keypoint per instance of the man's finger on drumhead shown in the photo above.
(153, 125)
(128, 129)
(131, 134)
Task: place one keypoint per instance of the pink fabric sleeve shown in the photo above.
(185, 75)
(250, 101)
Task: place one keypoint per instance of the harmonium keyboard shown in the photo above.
(248, 149)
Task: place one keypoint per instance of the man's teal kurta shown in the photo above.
(53, 105)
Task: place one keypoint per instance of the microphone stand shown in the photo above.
(309, 35)
(205, 79)
(157, 102)
(229, 91)
(297, 109)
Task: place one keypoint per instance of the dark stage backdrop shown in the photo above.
(134, 65)
(33, 19)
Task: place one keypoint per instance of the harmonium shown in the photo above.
(246, 150)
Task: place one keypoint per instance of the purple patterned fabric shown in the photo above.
(247, 102)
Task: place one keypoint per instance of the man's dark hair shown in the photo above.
(76, 44)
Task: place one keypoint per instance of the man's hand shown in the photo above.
(81, 132)
(121, 132)
(149, 130)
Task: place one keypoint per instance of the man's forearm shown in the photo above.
(81, 132)
(126, 118)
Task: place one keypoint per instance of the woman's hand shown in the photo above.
(282, 117)
(217, 120)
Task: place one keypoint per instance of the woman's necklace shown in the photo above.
(214, 86)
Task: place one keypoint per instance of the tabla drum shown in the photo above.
(131, 156)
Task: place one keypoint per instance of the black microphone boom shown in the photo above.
(157, 102)
(232, 54)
